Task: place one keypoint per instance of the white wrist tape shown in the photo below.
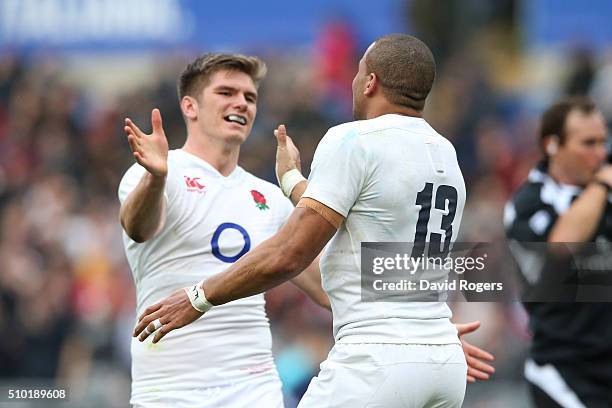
(197, 298)
(290, 180)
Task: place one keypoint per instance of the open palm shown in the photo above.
(287, 154)
(150, 151)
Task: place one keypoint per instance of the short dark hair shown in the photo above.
(554, 118)
(197, 74)
(405, 68)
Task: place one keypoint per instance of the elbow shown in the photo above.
(136, 236)
(139, 239)
(134, 233)
(324, 302)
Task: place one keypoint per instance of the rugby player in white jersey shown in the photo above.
(364, 186)
(191, 212)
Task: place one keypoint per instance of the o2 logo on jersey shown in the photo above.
(215, 242)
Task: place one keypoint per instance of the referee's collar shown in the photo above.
(539, 174)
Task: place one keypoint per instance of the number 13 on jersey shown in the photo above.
(445, 201)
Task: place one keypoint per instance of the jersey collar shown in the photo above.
(234, 177)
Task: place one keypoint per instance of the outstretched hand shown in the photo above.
(287, 155)
(172, 313)
(477, 368)
(150, 151)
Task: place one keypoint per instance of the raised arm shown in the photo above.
(288, 166)
(580, 221)
(142, 212)
(288, 159)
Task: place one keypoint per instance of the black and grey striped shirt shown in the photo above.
(570, 333)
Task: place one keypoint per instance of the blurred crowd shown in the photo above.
(66, 293)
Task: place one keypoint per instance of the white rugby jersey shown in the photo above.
(379, 174)
(211, 221)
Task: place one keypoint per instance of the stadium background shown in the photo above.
(71, 70)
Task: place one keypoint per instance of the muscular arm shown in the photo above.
(579, 223)
(142, 213)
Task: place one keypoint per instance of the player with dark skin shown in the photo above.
(294, 247)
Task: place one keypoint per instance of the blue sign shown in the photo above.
(568, 23)
(100, 25)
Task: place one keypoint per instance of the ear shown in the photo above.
(371, 84)
(189, 107)
(552, 145)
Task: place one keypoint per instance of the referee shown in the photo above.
(566, 199)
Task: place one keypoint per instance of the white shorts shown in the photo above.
(258, 391)
(389, 376)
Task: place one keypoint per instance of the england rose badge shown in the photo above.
(260, 200)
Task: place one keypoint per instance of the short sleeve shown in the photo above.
(338, 170)
(134, 174)
(130, 180)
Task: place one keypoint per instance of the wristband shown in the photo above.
(197, 298)
(290, 180)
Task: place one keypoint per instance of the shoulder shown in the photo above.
(176, 158)
(527, 199)
(342, 132)
(524, 204)
(355, 130)
(527, 217)
(444, 141)
(131, 176)
(526, 207)
(361, 131)
(345, 137)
